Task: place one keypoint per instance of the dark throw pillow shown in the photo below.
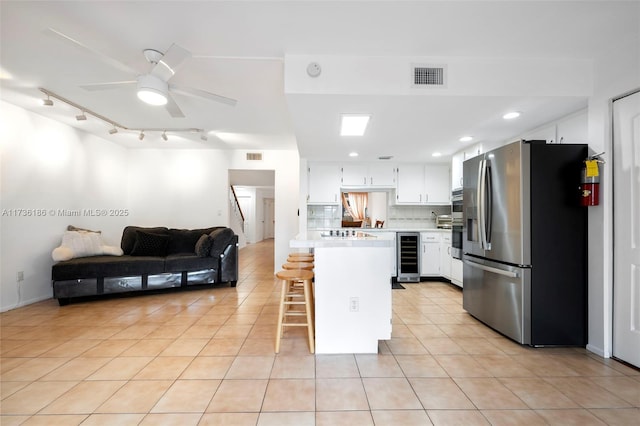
(149, 244)
(203, 246)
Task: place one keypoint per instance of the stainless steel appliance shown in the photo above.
(408, 253)
(524, 242)
(456, 224)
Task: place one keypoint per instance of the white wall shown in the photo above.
(51, 167)
(178, 188)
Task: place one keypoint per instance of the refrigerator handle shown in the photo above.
(488, 201)
(510, 274)
(480, 203)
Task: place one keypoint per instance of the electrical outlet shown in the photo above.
(354, 304)
(20, 276)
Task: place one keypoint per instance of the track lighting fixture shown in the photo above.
(115, 126)
(204, 136)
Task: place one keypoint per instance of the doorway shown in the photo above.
(626, 230)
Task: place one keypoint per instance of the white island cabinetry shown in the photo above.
(352, 292)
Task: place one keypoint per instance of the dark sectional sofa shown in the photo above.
(154, 259)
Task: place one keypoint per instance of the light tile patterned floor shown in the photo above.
(206, 358)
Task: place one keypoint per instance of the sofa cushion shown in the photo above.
(221, 237)
(106, 266)
(183, 240)
(129, 236)
(203, 246)
(189, 262)
(150, 244)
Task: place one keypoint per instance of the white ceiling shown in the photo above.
(239, 50)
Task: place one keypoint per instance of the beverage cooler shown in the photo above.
(408, 252)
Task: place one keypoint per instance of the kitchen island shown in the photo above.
(352, 290)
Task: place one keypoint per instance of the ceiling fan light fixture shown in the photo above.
(152, 90)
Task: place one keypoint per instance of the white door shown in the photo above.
(269, 222)
(626, 211)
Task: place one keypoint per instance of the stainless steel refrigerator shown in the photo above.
(524, 242)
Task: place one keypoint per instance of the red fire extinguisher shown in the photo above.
(590, 181)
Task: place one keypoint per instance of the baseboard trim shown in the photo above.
(598, 351)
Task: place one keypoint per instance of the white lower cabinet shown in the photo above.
(430, 254)
(456, 272)
(445, 255)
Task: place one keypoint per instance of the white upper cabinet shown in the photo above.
(423, 184)
(436, 184)
(456, 170)
(324, 183)
(410, 184)
(369, 175)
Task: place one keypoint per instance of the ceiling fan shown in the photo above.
(153, 87)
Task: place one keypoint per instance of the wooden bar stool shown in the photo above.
(291, 296)
(296, 253)
(308, 259)
(298, 265)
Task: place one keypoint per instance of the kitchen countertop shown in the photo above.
(317, 239)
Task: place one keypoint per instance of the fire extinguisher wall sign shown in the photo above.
(590, 181)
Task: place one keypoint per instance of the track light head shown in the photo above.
(113, 131)
(81, 116)
(164, 136)
(47, 102)
(141, 136)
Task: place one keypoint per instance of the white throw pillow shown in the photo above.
(83, 244)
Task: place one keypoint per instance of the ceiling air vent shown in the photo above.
(429, 75)
(254, 156)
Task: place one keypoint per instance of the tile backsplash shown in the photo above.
(398, 216)
(414, 217)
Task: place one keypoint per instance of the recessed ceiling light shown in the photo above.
(354, 124)
(511, 115)
(466, 139)
(436, 154)
(353, 154)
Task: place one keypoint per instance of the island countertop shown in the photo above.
(317, 239)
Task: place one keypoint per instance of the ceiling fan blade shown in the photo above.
(170, 62)
(103, 57)
(203, 94)
(173, 108)
(108, 86)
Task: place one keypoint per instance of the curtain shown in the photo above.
(358, 204)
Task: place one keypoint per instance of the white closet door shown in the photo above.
(626, 191)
